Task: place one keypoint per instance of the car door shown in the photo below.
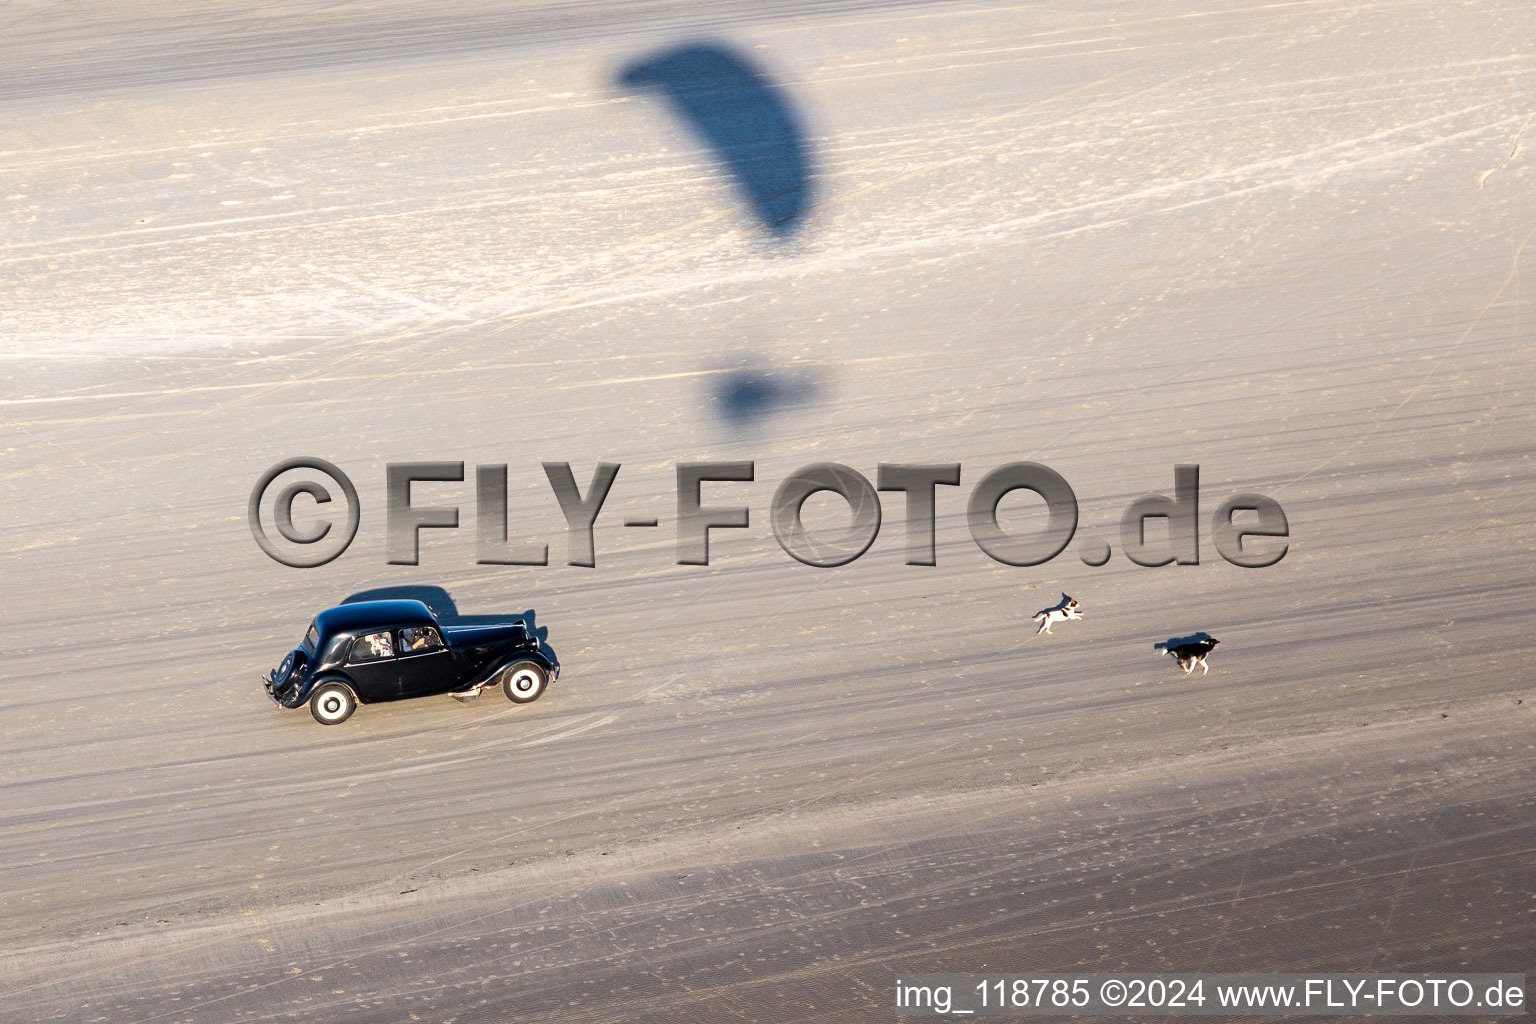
(425, 663)
(373, 666)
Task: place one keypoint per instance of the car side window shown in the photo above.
(419, 640)
(373, 647)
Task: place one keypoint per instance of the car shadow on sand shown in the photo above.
(447, 611)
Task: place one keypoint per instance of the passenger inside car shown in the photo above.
(420, 638)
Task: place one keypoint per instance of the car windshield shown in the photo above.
(310, 640)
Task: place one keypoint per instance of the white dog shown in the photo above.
(1066, 609)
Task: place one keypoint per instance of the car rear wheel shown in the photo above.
(524, 681)
(332, 704)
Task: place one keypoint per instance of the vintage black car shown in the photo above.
(376, 651)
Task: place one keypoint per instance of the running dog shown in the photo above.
(1190, 651)
(1066, 609)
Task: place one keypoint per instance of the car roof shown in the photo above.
(349, 618)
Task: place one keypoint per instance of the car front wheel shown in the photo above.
(332, 704)
(524, 681)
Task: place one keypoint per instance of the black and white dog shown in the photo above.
(1066, 608)
(1190, 650)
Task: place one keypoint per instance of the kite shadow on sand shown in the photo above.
(748, 394)
(753, 129)
(747, 122)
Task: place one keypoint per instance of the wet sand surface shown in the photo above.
(1285, 242)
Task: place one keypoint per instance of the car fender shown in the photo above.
(550, 667)
(302, 693)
